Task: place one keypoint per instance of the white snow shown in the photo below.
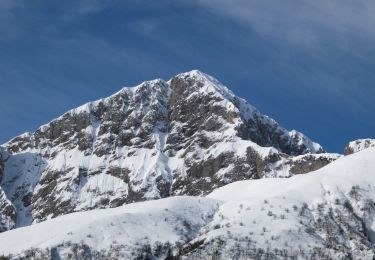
(251, 207)
(261, 203)
(134, 223)
(343, 173)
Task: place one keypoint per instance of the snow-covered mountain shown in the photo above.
(186, 136)
(326, 214)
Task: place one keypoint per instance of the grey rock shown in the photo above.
(358, 145)
(185, 136)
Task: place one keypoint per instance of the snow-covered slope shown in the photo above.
(185, 136)
(131, 230)
(327, 214)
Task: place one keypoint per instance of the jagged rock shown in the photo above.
(7, 210)
(358, 145)
(2, 160)
(302, 164)
(7, 213)
(185, 136)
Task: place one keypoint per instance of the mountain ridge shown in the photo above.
(214, 83)
(185, 136)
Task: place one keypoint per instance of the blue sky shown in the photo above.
(308, 64)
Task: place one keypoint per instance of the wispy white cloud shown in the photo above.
(304, 22)
(332, 35)
(6, 5)
(82, 8)
(146, 27)
(7, 17)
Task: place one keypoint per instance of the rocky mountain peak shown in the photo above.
(198, 87)
(185, 136)
(204, 83)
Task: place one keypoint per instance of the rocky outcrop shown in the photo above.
(358, 145)
(3, 156)
(185, 136)
(302, 164)
(7, 213)
(7, 210)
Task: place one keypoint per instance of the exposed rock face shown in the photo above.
(303, 163)
(7, 210)
(188, 135)
(2, 160)
(7, 213)
(358, 145)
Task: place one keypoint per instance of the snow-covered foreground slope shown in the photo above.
(128, 230)
(326, 214)
(185, 136)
